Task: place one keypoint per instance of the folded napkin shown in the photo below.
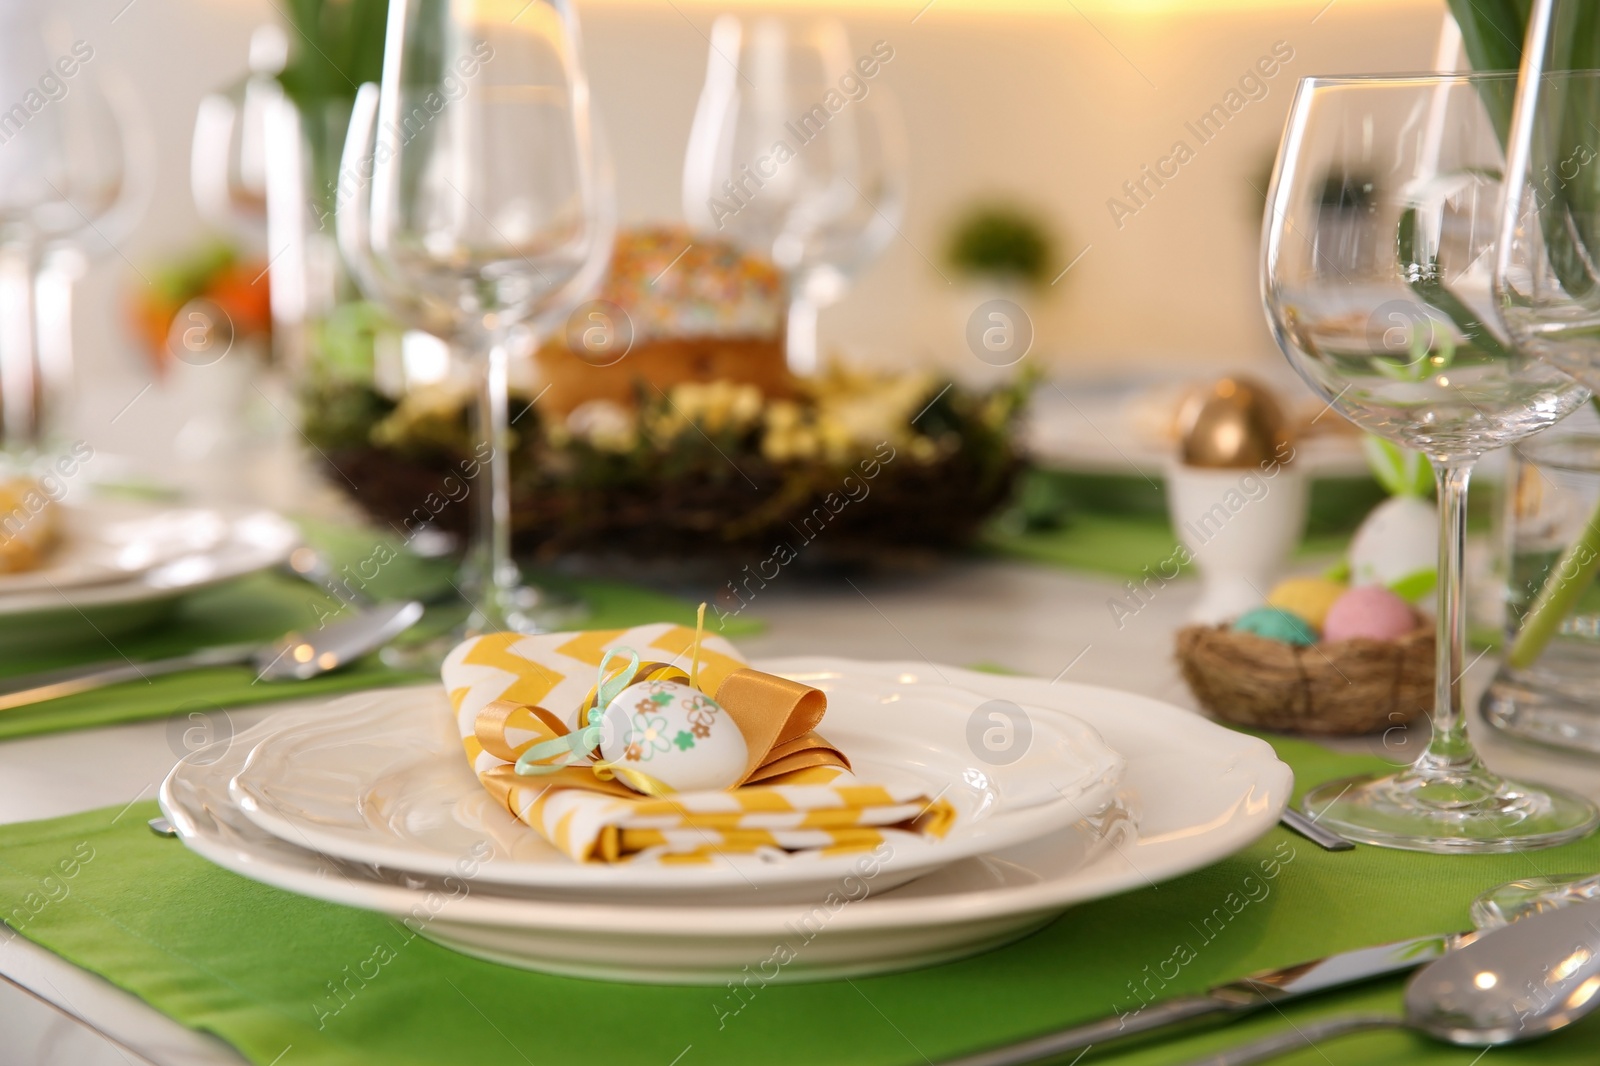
(794, 791)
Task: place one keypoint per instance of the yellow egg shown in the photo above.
(1308, 597)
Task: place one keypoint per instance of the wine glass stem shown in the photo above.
(19, 386)
(801, 342)
(494, 574)
(53, 285)
(1449, 751)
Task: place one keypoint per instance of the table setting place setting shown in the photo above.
(455, 609)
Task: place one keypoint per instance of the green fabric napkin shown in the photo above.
(271, 972)
(267, 605)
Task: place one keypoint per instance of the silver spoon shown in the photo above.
(297, 656)
(310, 566)
(1512, 984)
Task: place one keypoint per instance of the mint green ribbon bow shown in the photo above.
(578, 746)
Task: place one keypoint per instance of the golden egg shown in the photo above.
(1235, 423)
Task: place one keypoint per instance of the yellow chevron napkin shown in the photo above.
(511, 691)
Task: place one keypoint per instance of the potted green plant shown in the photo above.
(1001, 257)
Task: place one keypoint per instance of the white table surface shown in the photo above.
(1026, 618)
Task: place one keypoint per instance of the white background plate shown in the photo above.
(249, 541)
(253, 540)
(382, 778)
(103, 541)
(1203, 792)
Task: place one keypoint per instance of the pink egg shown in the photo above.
(1370, 611)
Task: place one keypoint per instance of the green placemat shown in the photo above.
(1123, 545)
(265, 606)
(292, 981)
(1118, 524)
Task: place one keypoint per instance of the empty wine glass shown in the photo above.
(65, 194)
(798, 153)
(1546, 282)
(476, 210)
(228, 155)
(1547, 290)
(1402, 340)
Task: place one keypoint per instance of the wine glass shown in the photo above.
(1402, 340)
(228, 154)
(476, 210)
(114, 179)
(65, 192)
(1547, 285)
(1548, 295)
(797, 152)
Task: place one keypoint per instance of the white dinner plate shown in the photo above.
(249, 541)
(381, 778)
(104, 541)
(1202, 792)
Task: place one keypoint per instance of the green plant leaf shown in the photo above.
(1401, 471)
(1003, 241)
(1415, 585)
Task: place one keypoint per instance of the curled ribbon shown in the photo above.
(777, 718)
(579, 745)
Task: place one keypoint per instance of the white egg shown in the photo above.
(675, 734)
(1399, 538)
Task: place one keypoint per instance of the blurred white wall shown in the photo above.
(1055, 103)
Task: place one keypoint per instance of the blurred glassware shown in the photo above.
(264, 165)
(73, 179)
(219, 367)
(1406, 347)
(1547, 286)
(1544, 690)
(1548, 295)
(798, 153)
(1547, 292)
(228, 158)
(1515, 900)
(473, 204)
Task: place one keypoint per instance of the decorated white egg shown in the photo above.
(1396, 544)
(675, 734)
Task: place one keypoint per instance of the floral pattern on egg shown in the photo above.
(676, 734)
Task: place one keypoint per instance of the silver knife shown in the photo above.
(1234, 998)
(1319, 835)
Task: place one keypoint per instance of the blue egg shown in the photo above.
(1275, 623)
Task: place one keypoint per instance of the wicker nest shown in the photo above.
(710, 515)
(1345, 687)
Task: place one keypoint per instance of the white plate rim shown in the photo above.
(271, 538)
(79, 558)
(1003, 829)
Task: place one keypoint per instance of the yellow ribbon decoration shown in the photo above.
(776, 716)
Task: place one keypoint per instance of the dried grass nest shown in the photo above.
(1339, 688)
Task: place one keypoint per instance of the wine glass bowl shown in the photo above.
(1378, 253)
(73, 176)
(797, 153)
(64, 168)
(1547, 284)
(485, 202)
(1398, 332)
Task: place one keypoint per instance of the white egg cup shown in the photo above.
(1238, 527)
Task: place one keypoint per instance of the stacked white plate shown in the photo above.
(122, 564)
(369, 802)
